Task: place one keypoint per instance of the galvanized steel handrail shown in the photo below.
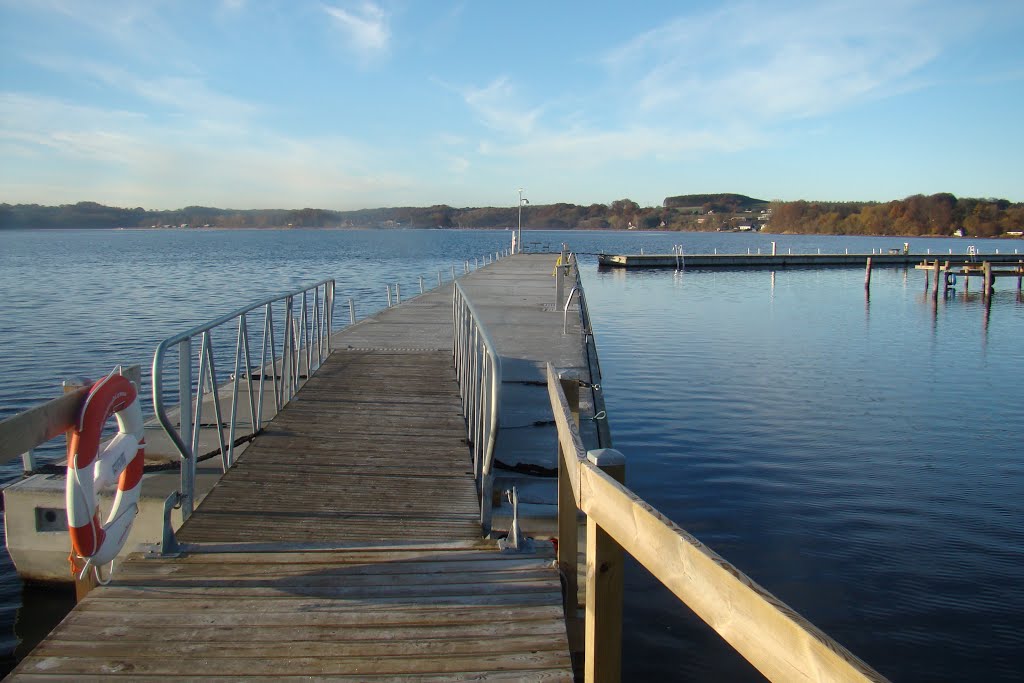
(478, 368)
(306, 341)
(604, 435)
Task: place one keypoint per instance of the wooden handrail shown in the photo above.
(21, 433)
(773, 637)
(37, 425)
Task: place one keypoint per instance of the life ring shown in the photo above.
(92, 465)
(950, 279)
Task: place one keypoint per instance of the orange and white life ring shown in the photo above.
(92, 465)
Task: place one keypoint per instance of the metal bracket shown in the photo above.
(169, 546)
(515, 542)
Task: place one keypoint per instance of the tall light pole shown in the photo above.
(519, 239)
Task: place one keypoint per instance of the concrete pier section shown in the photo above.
(517, 299)
(685, 260)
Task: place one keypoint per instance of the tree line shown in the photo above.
(938, 214)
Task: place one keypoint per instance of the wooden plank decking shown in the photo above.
(344, 545)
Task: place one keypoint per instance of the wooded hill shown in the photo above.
(940, 214)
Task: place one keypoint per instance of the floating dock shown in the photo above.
(783, 260)
(346, 540)
(349, 542)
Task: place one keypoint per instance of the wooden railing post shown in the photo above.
(603, 629)
(568, 545)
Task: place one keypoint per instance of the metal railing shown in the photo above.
(478, 368)
(776, 640)
(301, 332)
(604, 436)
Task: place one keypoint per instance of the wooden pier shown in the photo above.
(777, 260)
(344, 543)
(985, 269)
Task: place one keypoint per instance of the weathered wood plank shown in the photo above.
(305, 612)
(261, 666)
(489, 569)
(554, 675)
(387, 644)
(336, 592)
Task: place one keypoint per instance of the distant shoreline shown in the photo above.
(939, 215)
(213, 228)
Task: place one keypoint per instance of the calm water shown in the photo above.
(860, 459)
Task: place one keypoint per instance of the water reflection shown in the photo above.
(804, 440)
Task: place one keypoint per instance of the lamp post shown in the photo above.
(519, 238)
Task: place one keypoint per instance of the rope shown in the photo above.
(50, 468)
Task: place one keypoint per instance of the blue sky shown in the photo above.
(336, 104)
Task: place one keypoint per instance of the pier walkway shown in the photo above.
(344, 544)
(778, 260)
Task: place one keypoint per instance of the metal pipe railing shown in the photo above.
(604, 436)
(304, 334)
(478, 368)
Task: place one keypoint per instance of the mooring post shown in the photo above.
(867, 270)
(605, 568)
(398, 293)
(560, 277)
(439, 278)
(388, 287)
(945, 279)
(935, 291)
(351, 311)
(422, 290)
(989, 279)
(1020, 273)
(773, 248)
(453, 271)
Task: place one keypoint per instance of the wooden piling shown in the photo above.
(989, 279)
(605, 569)
(867, 270)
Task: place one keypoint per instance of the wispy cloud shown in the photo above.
(186, 94)
(723, 80)
(134, 159)
(758, 63)
(498, 106)
(366, 29)
(130, 25)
